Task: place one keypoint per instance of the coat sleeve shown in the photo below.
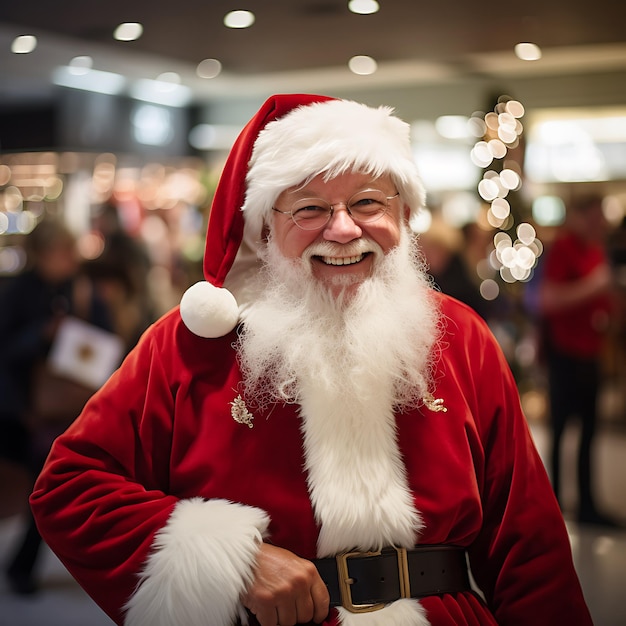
(102, 505)
(522, 557)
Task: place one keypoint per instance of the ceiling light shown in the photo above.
(24, 44)
(169, 77)
(161, 92)
(90, 80)
(239, 19)
(363, 7)
(209, 68)
(528, 51)
(362, 65)
(128, 31)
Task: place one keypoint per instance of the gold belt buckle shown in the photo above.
(345, 580)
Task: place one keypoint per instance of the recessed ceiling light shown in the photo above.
(362, 65)
(209, 68)
(363, 7)
(24, 44)
(128, 31)
(239, 19)
(528, 51)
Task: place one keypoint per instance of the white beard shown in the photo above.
(296, 331)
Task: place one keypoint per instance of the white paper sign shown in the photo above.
(85, 353)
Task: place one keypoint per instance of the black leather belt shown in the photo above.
(366, 581)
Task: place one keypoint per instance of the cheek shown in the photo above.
(387, 236)
(292, 241)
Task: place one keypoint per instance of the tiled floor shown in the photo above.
(600, 555)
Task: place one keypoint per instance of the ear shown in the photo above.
(406, 213)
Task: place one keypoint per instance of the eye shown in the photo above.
(309, 209)
(367, 204)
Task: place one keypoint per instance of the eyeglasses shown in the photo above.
(364, 207)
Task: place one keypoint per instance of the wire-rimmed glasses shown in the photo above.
(364, 207)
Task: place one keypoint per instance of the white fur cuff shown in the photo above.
(201, 562)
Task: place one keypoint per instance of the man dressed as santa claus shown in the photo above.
(315, 435)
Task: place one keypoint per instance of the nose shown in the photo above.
(341, 227)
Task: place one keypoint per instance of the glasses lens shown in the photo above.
(310, 213)
(368, 205)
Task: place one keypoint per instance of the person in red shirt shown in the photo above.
(315, 435)
(575, 299)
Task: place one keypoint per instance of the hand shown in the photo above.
(286, 589)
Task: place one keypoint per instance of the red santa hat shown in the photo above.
(292, 138)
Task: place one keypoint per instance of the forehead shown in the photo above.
(347, 183)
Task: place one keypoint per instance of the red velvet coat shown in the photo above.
(161, 434)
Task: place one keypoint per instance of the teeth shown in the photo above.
(349, 260)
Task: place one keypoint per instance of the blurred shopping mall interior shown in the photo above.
(117, 118)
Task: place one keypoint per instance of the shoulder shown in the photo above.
(170, 342)
(564, 246)
(458, 317)
(466, 339)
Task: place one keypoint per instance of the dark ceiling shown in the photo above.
(305, 36)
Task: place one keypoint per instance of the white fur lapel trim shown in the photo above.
(201, 562)
(358, 487)
(357, 479)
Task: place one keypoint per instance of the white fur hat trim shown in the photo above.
(209, 311)
(330, 137)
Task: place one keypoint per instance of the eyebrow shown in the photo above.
(303, 192)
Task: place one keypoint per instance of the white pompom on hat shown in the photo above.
(291, 139)
(207, 308)
(209, 311)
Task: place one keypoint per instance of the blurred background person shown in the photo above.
(617, 256)
(128, 307)
(575, 300)
(32, 306)
(451, 255)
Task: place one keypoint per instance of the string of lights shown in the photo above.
(499, 132)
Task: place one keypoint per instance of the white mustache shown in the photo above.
(332, 249)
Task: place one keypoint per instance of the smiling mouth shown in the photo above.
(346, 260)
